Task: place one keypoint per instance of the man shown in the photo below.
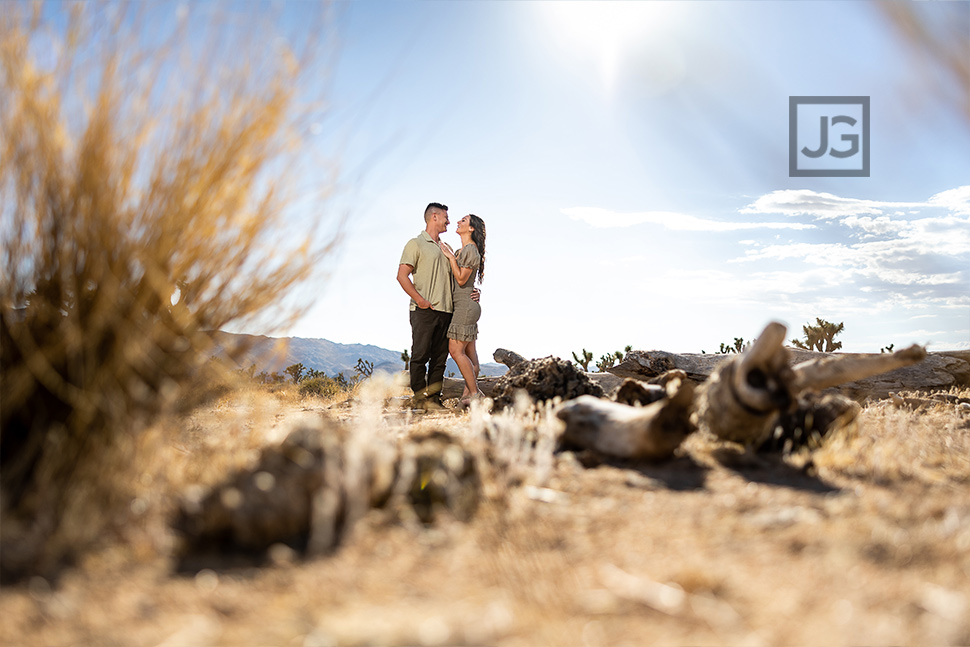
(431, 306)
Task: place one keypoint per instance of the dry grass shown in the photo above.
(883, 450)
(146, 178)
(865, 540)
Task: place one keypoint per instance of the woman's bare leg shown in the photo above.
(457, 350)
(472, 354)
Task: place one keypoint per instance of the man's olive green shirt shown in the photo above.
(432, 271)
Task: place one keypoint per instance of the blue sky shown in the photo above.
(630, 161)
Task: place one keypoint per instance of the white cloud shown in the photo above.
(900, 271)
(605, 218)
(879, 226)
(826, 206)
(923, 258)
(804, 202)
(827, 254)
(948, 236)
(871, 262)
(956, 200)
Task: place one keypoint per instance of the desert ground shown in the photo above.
(863, 540)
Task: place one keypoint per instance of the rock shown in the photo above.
(446, 478)
(814, 418)
(544, 379)
(308, 491)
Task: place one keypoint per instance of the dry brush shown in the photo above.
(144, 202)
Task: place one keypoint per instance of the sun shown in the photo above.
(608, 30)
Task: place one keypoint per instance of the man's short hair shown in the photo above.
(431, 208)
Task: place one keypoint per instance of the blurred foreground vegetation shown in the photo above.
(147, 172)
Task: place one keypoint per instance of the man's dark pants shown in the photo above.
(429, 346)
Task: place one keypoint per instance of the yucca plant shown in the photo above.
(144, 205)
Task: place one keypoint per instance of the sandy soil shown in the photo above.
(863, 541)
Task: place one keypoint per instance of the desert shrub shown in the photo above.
(144, 199)
(320, 386)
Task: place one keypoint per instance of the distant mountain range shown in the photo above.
(273, 354)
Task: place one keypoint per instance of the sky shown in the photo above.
(631, 164)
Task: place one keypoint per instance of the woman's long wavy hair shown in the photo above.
(478, 237)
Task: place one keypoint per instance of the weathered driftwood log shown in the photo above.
(743, 396)
(508, 357)
(650, 432)
(453, 387)
(647, 365)
(633, 392)
(938, 372)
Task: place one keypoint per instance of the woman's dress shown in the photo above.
(464, 320)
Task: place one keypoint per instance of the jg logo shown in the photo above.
(828, 136)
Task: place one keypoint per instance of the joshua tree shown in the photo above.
(820, 337)
(887, 349)
(609, 361)
(605, 362)
(736, 347)
(406, 358)
(364, 368)
(584, 362)
(295, 371)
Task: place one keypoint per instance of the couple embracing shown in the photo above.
(444, 303)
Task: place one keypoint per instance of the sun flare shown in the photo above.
(608, 30)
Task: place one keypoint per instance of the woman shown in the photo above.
(463, 331)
